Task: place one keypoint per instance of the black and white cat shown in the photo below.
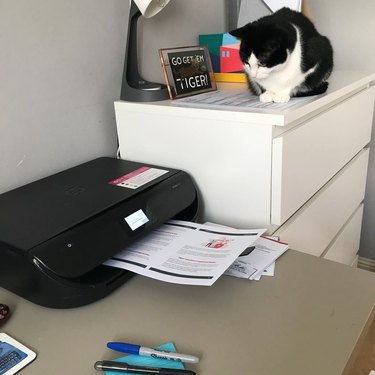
(284, 55)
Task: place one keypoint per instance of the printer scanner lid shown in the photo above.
(36, 212)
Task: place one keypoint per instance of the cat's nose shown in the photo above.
(253, 73)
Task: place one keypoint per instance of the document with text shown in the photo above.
(257, 260)
(185, 253)
(239, 100)
(252, 263)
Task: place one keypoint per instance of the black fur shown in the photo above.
(270, 37)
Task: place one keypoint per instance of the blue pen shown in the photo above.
(149, 352)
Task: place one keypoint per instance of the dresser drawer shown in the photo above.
(230, 161)
(307, 156)
(316, 224)
(346, 245)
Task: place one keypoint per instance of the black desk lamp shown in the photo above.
(134, 88)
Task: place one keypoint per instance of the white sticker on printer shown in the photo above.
(138, 178)
(136, 219)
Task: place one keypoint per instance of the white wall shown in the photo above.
(60, 63)
(60, 72)
(351, 27)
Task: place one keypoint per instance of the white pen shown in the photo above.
(149, 352)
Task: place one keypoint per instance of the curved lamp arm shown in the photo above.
(134, 87)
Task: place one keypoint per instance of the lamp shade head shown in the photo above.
(149, 8)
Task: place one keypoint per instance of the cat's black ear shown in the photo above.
(240, 33)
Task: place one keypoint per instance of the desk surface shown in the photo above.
(305, 320)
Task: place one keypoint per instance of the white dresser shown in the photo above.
(300, 172)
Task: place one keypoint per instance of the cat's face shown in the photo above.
(262, 50)
(256, 67)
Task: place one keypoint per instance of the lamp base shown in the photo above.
(144, 91)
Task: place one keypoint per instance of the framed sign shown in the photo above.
(187, 71)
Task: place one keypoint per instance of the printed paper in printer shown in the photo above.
(185, 253)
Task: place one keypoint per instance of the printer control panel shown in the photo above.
(136, 219)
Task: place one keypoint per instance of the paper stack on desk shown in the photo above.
(258, 260)
(183, 252)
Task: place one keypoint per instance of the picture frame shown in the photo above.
(187, 70)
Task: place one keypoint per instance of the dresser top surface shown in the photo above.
(342, 84)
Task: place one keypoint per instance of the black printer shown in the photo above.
(56, 232)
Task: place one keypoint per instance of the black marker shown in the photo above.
(124, 367)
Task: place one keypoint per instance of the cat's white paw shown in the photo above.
(266, 97)
(281, 98)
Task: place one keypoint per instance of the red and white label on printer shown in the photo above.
(138, 178)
